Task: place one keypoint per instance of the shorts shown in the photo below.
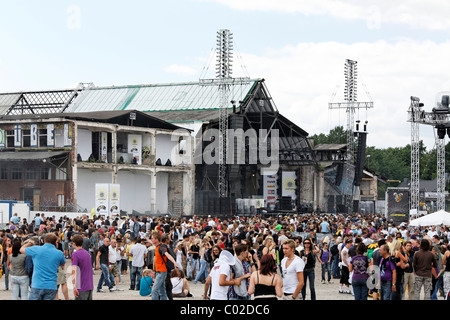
(61, 276)
(114, 270)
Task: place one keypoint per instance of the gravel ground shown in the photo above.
(323, 291)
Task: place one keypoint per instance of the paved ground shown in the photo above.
(323, 291)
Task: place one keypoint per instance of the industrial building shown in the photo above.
(84, 111)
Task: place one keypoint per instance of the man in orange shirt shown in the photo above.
(161, 257)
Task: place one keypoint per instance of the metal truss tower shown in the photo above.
(415, 144)
(224, 62)
(350, 105)
(440, 119)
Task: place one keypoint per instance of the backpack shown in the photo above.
(169, 264)
(334, 250)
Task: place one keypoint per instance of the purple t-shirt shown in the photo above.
(360, 267)
(81, 259)
(386, 268)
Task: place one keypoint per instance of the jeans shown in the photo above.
(106, 277)
(386, 290)
(159, 286)
(309, 273)
(326, 267)
(43, 294)
(119, 266)
(192, 268)
(360, 289)
(6, 274)
(437, 284)
(19, 285)
(203, 272)
(418, 283)
(335, 266)
(136, 275)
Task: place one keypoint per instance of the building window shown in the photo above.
(46, 174)
(61, 174)
(16, 174)
(31, 174)
(10, 138)
(42, 137)
(61, 200)
(4, 174)
(26, 138)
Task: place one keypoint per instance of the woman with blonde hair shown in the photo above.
(397, 251)
(202, 274)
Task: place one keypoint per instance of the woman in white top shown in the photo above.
(180, 286)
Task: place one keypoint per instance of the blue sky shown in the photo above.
(298, 46)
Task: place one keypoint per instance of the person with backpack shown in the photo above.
(161, 257)
(165, 239)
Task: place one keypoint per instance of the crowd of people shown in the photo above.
(235, 258)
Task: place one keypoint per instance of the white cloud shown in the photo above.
(430, 15)
(303, 78)
(181, 70)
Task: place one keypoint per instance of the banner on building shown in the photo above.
(114, 199)
(288, 183)
(104, 146)
(270, 190)
(101, 199)
(135, 147)
(17, 136)
(50, 135)
(34, 135)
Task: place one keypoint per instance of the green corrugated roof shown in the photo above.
(188, 96)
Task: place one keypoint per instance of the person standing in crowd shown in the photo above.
(446, 265)
(324, 258)
(139, 254)
(19, 277)
(240, 269)
(103, 264)
(401, 263)
(161, 256)
(388, 274)
(202, 274)
(46, 260)
(82, 276)
(220, 277)
(292, 267)
(6, 246)
(265, 284)
(424, 264)
(309, 257)
(408, 272)
(114, 268)
(345, 261)
(359, 265)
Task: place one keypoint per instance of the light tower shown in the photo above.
(439, 118)
(224, 62)
(350, 105)
(415, 112)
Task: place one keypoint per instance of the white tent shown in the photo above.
(438, 218)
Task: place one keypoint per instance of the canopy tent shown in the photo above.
(440, 217)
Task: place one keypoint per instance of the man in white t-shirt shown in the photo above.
(220, 277)
(292, 270)
(139, 254)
